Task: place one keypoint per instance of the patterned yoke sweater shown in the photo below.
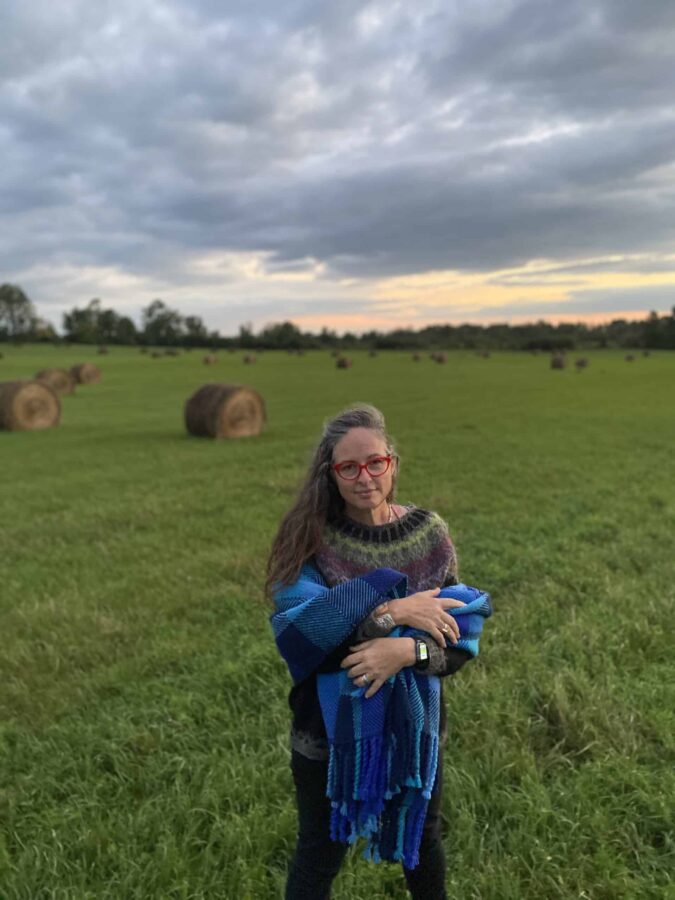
(416, 544)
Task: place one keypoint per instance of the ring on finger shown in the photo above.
(445, 627)
(365, 679)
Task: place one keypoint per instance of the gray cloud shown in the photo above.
(376, 138)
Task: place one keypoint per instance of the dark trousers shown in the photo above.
(317, 858)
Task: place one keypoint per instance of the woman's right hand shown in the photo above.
(426, 611)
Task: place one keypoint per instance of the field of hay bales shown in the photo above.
(143, 744)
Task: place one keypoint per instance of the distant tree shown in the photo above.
(162, 325)
(281, 336)
(42, 331)
(17, 313)
(126, 331)
(196, 333)
(81, 325)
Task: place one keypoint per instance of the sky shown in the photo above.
(342, 164)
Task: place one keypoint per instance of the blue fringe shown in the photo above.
(382, 794)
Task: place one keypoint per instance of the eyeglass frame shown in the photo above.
(337, 466)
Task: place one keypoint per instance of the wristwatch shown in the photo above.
(421, 654)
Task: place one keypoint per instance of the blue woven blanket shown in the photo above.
(384, 749)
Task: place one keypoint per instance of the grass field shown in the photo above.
(143, 749)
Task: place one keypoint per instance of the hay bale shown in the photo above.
(417, 357)
(86, 373)
(225, 411)
(59, 380)
(28, 406)
(630, 357)
(171, 351)
(102, 351)
(156, 354)
(440, 357)
(210, 359)
(343, 363)
(581, 363)
(558, 361)
(249, 359)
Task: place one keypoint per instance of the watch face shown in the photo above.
(422, 651)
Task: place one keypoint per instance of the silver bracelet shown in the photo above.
(384, 621)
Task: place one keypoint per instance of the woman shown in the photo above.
(363, 625)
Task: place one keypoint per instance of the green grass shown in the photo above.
(143, 750)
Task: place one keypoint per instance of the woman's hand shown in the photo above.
(426, 611)
(378, 659)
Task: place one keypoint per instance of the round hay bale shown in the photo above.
(102, 351)
(630, 357)
(249, 359)
(28, 406)
(210, 359)
(225, 411)
(581, 363)
(558, 362)
(86, 373)
(417, 357)
(440, 357)
(343, 363)
(59, 380)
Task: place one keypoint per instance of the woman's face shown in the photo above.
(365, 492)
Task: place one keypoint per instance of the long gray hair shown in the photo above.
(319, 500)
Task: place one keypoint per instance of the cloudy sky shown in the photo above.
(340, 163)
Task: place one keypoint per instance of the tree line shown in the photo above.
(162, 326)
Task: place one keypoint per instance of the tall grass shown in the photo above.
(143, 745)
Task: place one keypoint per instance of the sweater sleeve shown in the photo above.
(443, 662)
(452, 572)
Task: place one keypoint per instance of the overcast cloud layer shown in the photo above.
(159, 145)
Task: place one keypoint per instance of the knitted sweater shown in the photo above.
(418, 545)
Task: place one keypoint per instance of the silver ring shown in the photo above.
(365, 679)
(445, 627)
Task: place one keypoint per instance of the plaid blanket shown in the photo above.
(384, 749)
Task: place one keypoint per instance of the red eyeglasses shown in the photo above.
(350, 470)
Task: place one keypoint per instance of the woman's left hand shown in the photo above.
(379, 659)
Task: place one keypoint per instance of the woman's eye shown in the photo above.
(348, 470)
